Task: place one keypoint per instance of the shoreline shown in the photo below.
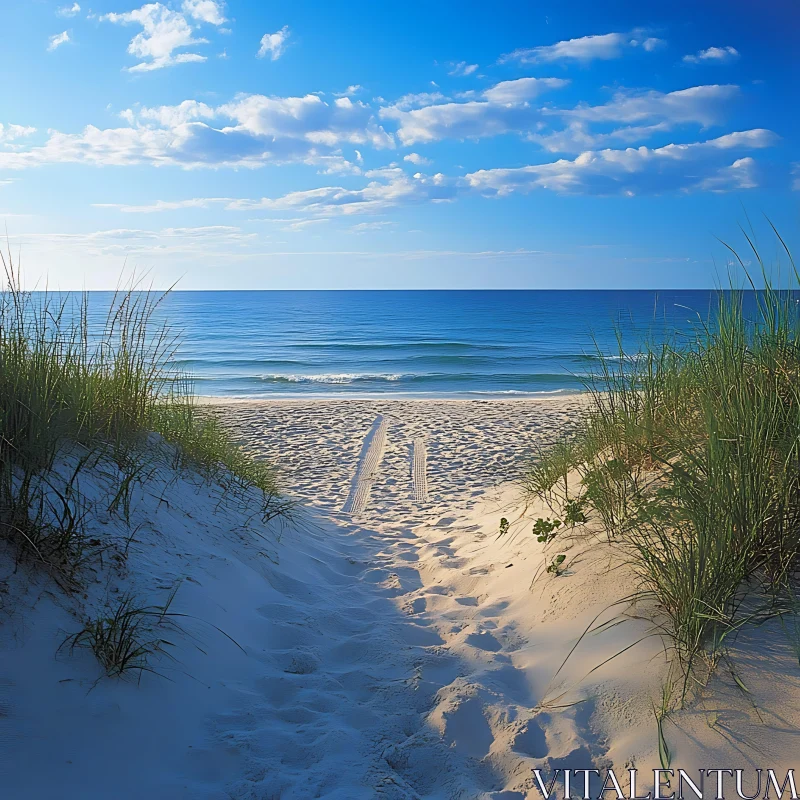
(558, 394)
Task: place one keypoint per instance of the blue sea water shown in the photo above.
(262, 344)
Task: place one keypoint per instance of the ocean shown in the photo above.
(454, 344)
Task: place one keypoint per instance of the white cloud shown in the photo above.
(273, 44)
(334, 165)
(364, 227)
(250, 131)
(638, 115)
(713, 55)
(587, 48)
(508, 107)
(392, 188)
(163, 32)
(68, 11)
(209, 11)
(300, 224)
(8, 133)
(418, 100)
(688, 167)
(521, 90)
(416, 158)
(461, 68)
(308, 118)
(742, 174)
(505, 109)
(702, 104)
(165, 205)
(354, 88)
(57, 40)
(577, 137)
(652, 43)
(171, 116)
(755, 138)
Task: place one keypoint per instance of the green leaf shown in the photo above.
(664, 754)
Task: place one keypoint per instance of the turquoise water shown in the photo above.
(413, 343)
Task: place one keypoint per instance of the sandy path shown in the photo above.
(413, 653)
(407, 676)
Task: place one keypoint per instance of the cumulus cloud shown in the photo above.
(308, 118)
(209, 11)
(416, 158)
(603, 47)
(334, 165)
(171, 116)
(578, 136)
(703, 104)
(687, 167)
(521, 90)
(418, 100)
(57, 40)
(354, 88)
(461, 68)
(250, 131)
(391, 188)
(505, 108)
(638, 115)
(713, 55)
(68, 11)
(8, 133)
(274, 44)
(163, 32)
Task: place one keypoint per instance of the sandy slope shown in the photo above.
(404, 651)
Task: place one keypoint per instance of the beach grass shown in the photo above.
(74, 393)
(689, 456)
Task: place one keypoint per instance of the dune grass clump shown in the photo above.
(127, 637)
(75, 393)
(690, 457)
(203, 444)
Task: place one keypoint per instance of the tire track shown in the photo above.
(419, 470)
(368, 467)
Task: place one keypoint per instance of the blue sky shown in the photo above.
(358, 144)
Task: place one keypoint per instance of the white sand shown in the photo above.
(470, 446)
(403, 651)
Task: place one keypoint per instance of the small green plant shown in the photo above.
(127, 637)
(573, 512)
(503, 526)
(545, 529)
(556, 566)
